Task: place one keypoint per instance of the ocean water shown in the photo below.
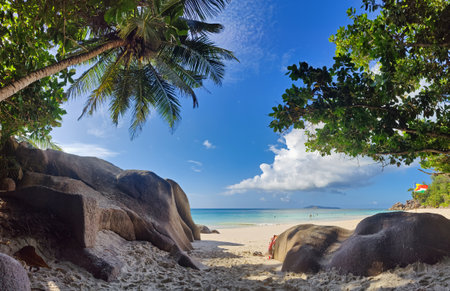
(230, 218)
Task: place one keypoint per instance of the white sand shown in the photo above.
(232, 266)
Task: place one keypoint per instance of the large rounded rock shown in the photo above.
(184, 209)
(12, 275)
(204, 229)
(94, 172)
(90, 195)
(32, 159)
(387, 240)
(302, 248)
(153, 197)
(72, 200)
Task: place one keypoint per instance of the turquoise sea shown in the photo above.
(228, 218)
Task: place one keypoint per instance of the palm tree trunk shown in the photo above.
(20, 84)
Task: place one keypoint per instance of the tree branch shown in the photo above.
(433, 134)
(427, 44)
(373, 108)
(302, 111)
(434, 174)
(442, 152)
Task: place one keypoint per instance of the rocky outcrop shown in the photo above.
(410, 205)
(184, 209)
(12, 275)
(96, 173)
(379, 243)
(397, 206)
(154, 200)
(387, 240)
(304, 248)
(7, 184)
(91, 195)
(205, 229)
(70, 199)
(101, 264)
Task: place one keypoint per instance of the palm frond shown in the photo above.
(190, 77)
(83, 46)
(139, 89)
(200, 27)
(122, 92)
(201, 56)
(143, 26)
(181, 79)
(39, 142)
(91, 78)
(170, 7)
(142, 102)
(202, 9)
(106, 84)
(163, 96)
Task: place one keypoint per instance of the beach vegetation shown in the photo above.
(387, 94)
(24, 46)
(438, 193)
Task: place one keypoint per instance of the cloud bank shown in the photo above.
(295, 169)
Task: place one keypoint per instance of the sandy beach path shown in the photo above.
(230, 264)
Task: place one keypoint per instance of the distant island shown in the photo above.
(320, 207)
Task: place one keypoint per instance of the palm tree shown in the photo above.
(164, 54)
(153, 52)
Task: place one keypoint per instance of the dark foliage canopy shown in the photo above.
(394, 112)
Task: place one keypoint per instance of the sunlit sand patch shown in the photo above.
(52, 286)
(388, 280)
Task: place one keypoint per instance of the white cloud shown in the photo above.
(246, 32)
(97, 132)
(208, 145)
(91, 150)
(195, 166)
(286, 60)
(375, 69)
(295, 169)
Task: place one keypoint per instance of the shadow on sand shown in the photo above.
(211, 249)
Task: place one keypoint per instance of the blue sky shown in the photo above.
(223, 154)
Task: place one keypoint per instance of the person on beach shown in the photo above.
(271, 245)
